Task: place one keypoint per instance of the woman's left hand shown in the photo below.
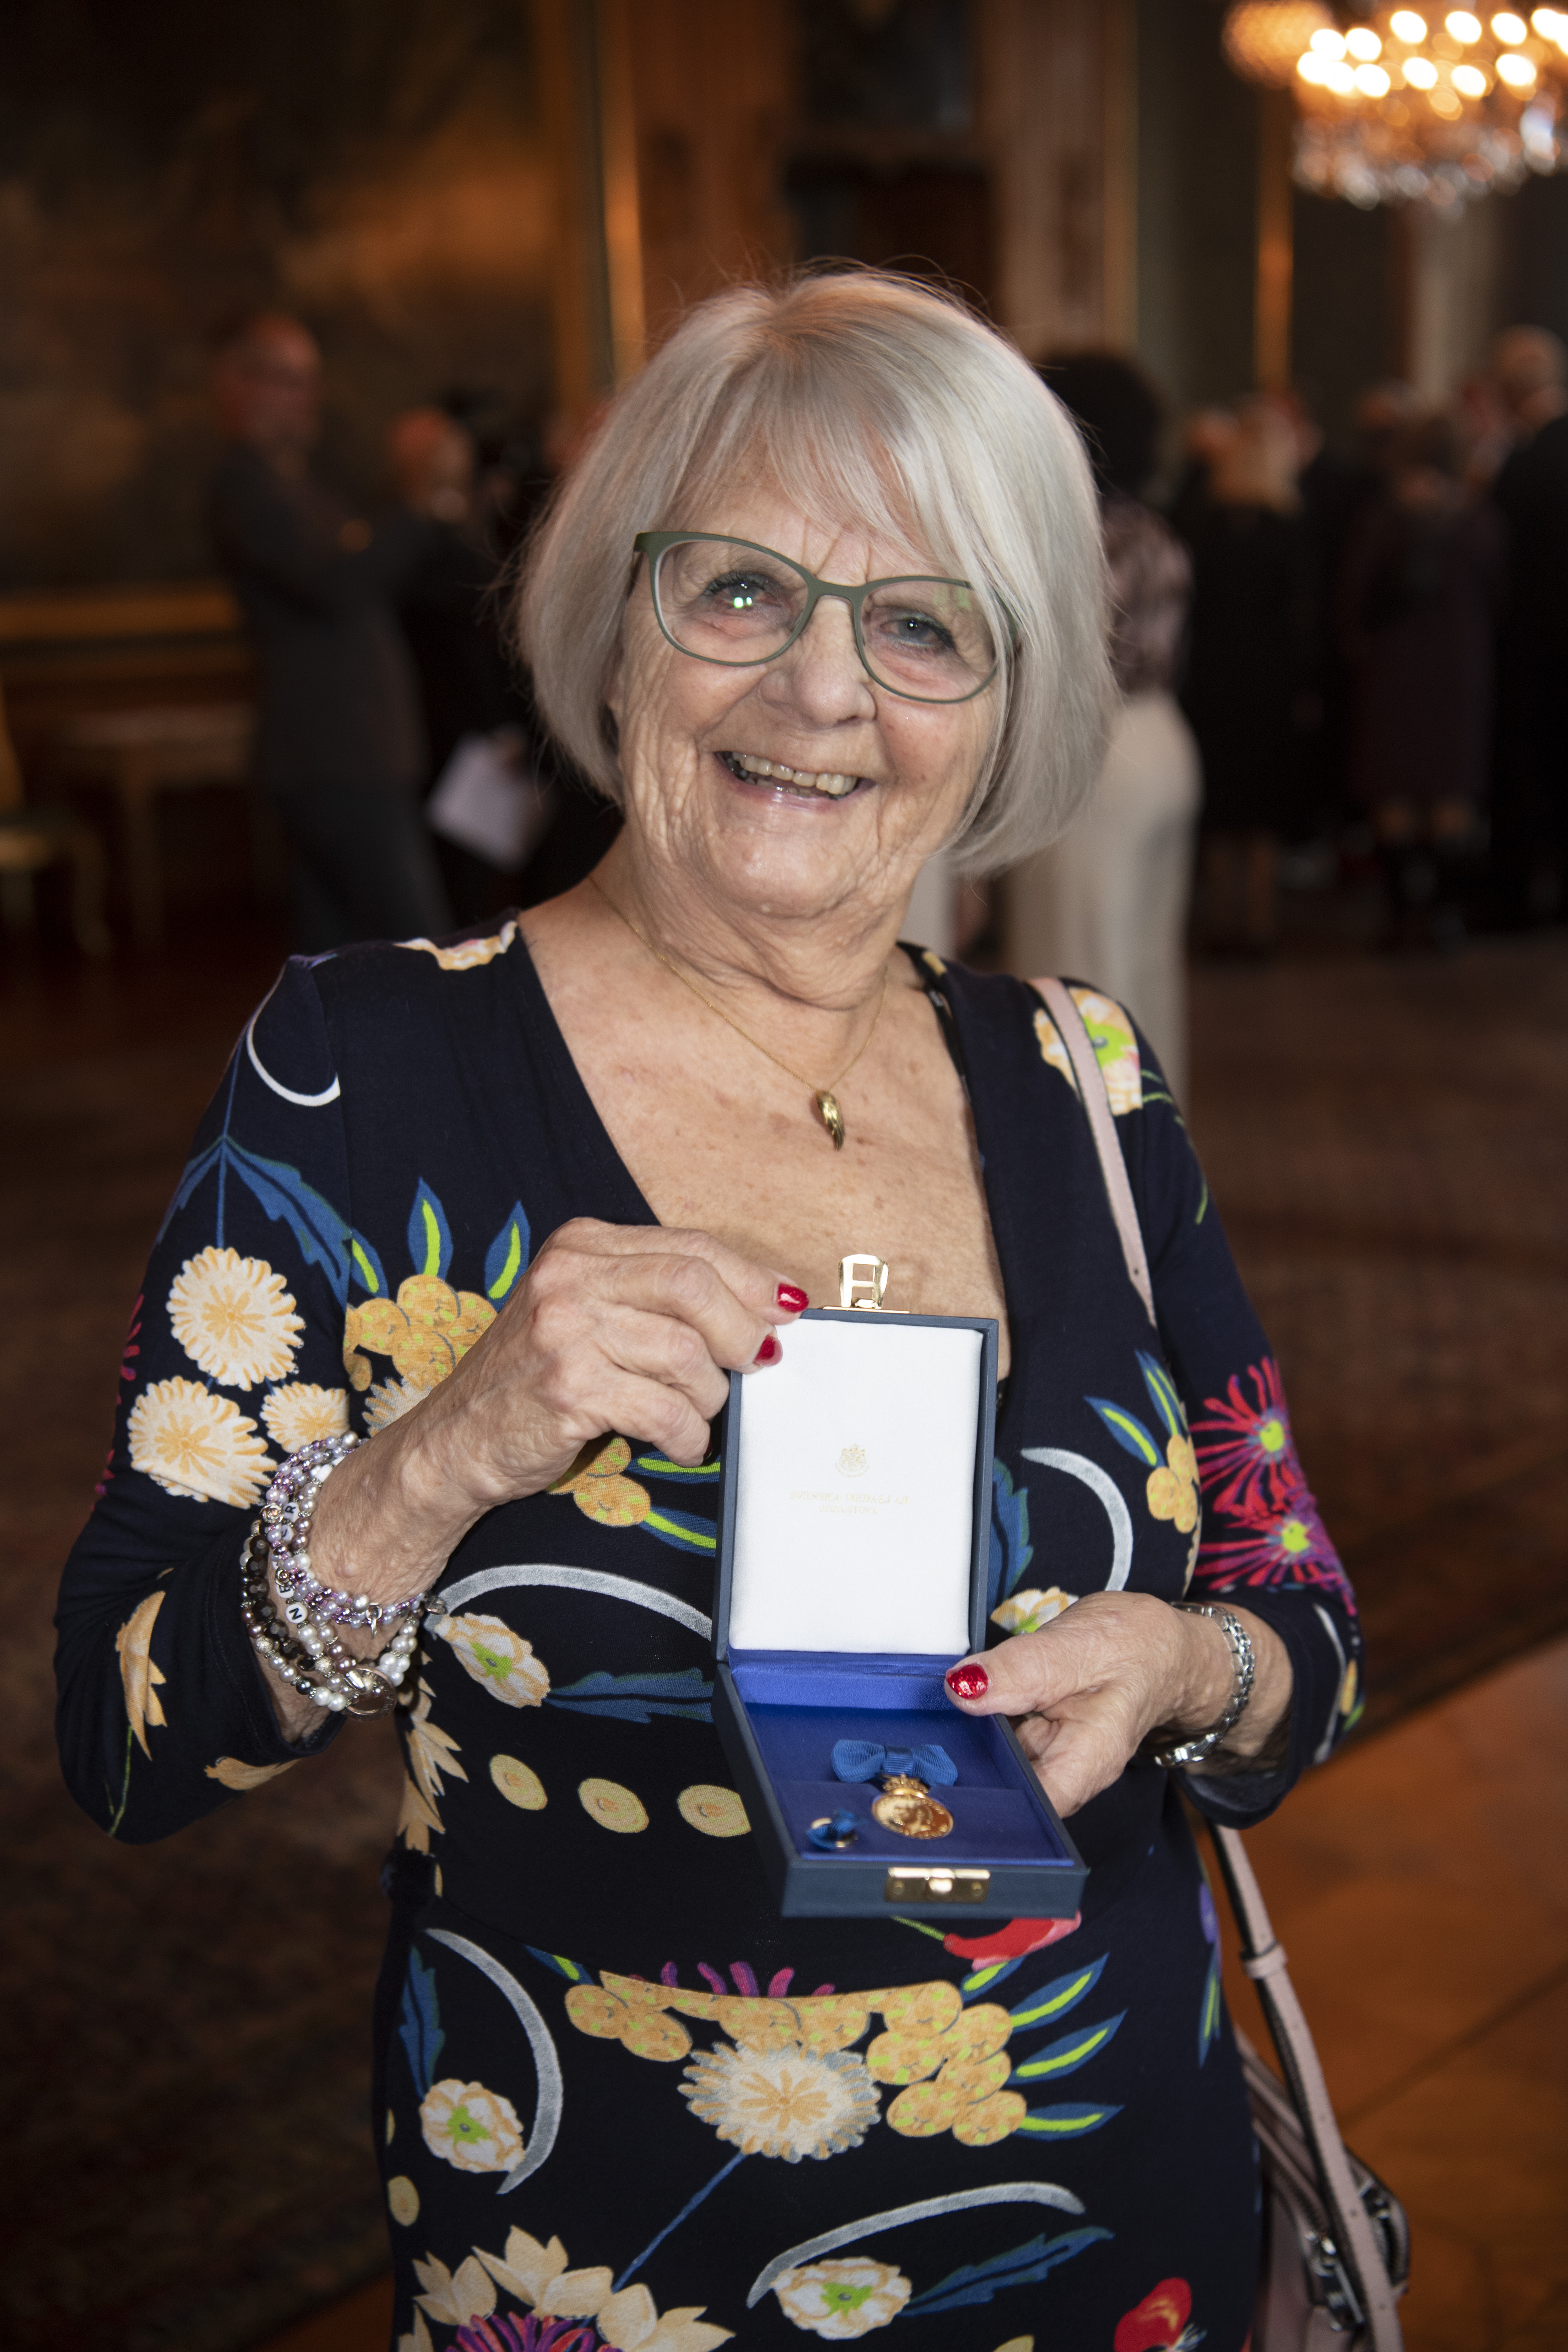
(1088, 1689)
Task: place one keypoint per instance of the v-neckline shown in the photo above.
(588, 1128)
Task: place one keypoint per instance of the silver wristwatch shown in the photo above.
(1244, 1662)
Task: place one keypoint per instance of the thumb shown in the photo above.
(1016, 1678)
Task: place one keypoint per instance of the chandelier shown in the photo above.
(1403, 107)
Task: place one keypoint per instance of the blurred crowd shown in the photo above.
(396, 737)
(1327, 651)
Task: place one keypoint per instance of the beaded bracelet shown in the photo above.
(286, 1518)
(313, 1662)
(1244, 1664)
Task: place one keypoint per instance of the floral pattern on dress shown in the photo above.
(304, 1410)
(838, 2300)
(235, 1318)
(464, 955)
(196, 1444)
(1159, 2324)
(1273, 1536)
(427, 1330)
(567, 2310)
(138, 1677)
(1025, 1612)
(1115, 1043)
(476, 2129)
(432, 1752)
(945, 2055)
(497, 1658)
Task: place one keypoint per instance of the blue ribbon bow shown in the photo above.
(863, 1759)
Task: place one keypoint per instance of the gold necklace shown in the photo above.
(824, 1097)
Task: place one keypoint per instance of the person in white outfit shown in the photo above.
(1107, 903)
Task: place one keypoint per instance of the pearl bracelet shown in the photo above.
(312, 1661)
(1244, 1663)
(285, 1524)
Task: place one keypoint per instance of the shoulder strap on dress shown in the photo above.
(1096, 1101)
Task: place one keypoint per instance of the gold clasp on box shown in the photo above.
(864, 1272)
(936, 1885)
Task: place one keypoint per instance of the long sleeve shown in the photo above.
(235, 1359)
(1264, 1544)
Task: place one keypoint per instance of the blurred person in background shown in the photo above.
(1530, 837)
(340, 744)
(1419, 602)
(1109, 901)
(477, 694)
(1249, 668)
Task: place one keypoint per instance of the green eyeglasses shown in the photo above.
(731, 602)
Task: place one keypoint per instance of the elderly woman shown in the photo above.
(821, 597)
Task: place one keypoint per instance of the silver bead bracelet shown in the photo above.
(1244, 1662)
(286, 1517)
(309, 1658)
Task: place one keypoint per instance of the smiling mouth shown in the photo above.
(750, 770)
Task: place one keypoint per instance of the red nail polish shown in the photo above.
(968, 1682)
(793, 1300)
(770, 1351)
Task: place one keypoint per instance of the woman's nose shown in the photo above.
(822, 675)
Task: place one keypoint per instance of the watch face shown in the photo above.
(906, 1806)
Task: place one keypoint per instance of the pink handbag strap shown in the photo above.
(1096, 1101)
(1263, 1955)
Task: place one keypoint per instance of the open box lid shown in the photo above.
(857, 1490)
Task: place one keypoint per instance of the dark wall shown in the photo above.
(1345, 323)
(375, 164)
(1197, 203)
(1537, 233)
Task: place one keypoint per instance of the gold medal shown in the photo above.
(907, 1806)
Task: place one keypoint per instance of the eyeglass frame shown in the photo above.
(653, 544)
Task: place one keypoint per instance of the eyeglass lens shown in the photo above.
(726, 602)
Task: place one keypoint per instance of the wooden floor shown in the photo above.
(1420, 1884)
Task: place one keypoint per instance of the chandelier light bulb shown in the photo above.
(1363, 44)
(1545, 21)
(1509, 27)
(1338, 78)
(1372, 81)
(1518, 72)
(1329, 44)
(1470, 81)
(1463, 26)
(1310, 66)
(1406, 26)
(1420, 73)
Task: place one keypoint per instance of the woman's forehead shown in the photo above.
(819, 526)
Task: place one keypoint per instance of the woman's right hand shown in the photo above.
(628, 1328)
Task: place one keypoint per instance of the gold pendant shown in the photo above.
(907, 1806)
(832, 1118)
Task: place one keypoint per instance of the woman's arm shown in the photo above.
(1116, 1667)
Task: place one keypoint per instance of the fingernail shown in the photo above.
(793, 1301)
(968, 1682)
(769, 1352)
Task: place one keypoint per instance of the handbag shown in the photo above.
(1336, 2244)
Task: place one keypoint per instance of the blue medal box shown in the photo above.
(853, 1554)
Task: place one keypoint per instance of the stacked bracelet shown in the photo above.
(295, 1635)
(314, 1662)
(286, 1518)
(1244, 1665)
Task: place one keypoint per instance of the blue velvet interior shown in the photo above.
(826, 1678)
(996, 1819)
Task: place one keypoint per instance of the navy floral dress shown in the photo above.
(619, 2101)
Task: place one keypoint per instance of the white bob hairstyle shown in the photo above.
(877, 402)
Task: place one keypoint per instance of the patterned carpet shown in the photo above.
(190, 2158)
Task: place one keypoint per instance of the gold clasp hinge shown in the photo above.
(935, 1884)
(862, 1272)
